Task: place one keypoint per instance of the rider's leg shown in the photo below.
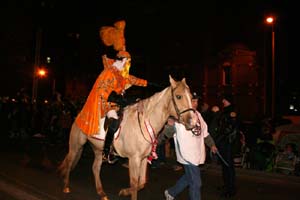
(113, 125)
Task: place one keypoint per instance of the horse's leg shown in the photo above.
(97, 146)
(134, 172)
(143, 174)
(76, 142)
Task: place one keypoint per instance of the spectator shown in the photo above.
(289, 152)
(205, 112)
(286, 160)
(228, 131)
(213, 121)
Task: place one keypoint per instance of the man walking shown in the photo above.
(190, 152)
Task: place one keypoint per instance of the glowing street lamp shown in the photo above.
(41, 72)
(270, 20)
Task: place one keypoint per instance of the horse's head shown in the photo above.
(181, 102)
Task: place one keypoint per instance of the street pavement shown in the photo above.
(34, 178)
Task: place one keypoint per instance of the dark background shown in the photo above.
(158, 33)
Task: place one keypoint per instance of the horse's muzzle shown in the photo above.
(190, 123)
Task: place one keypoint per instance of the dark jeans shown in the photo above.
(161, 153)
(228, 172)
(192, 179)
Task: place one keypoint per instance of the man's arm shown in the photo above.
(209, 141)
(166, 133)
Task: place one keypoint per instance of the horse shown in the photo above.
(135, 138)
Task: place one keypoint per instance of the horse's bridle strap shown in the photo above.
(176, 107)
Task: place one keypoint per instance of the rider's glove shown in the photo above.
(116, 98)
(155, 84)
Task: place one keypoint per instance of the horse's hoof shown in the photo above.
(66, 190)
(123, 192)
(104, 198)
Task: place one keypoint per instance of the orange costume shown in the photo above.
(110, 79)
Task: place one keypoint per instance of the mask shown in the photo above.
(126, 68)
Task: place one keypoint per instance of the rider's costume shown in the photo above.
(114, 77)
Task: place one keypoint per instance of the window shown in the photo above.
(227, 75)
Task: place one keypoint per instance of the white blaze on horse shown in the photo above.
(140, 126)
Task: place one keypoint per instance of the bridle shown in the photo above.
(178, 112)
(197, 129)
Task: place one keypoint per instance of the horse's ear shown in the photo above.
(172, 81)
(183, 80)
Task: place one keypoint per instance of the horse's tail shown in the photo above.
(61, 169)
(74, 153)
(69, 163)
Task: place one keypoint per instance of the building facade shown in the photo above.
(237, 73)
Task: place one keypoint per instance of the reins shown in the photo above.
(142, 129)
(178, 112)
(197, 130)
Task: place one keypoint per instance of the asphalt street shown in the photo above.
(38, 180)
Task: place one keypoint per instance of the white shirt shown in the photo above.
(190, 148)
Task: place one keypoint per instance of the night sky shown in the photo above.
(158, 32)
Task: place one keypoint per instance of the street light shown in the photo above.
(40, 72)
(35, 66)
(270, 20)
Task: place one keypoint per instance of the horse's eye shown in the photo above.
(178, 96)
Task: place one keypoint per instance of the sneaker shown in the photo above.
(177, 168)
(168, 196)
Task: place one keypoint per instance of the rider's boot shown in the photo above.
(108, 147)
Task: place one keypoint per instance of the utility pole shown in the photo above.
(271, 21)
(273, 72)
(36, 65)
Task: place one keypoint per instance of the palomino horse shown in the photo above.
(139, 128)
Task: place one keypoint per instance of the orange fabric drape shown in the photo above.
(96, 104)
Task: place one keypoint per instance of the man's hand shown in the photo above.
(214, 149)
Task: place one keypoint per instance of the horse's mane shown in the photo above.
(149, 103)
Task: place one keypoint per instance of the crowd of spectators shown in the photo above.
(50, 119)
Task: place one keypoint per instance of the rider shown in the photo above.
(108, 89)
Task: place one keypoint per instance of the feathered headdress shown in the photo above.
(114, 35)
